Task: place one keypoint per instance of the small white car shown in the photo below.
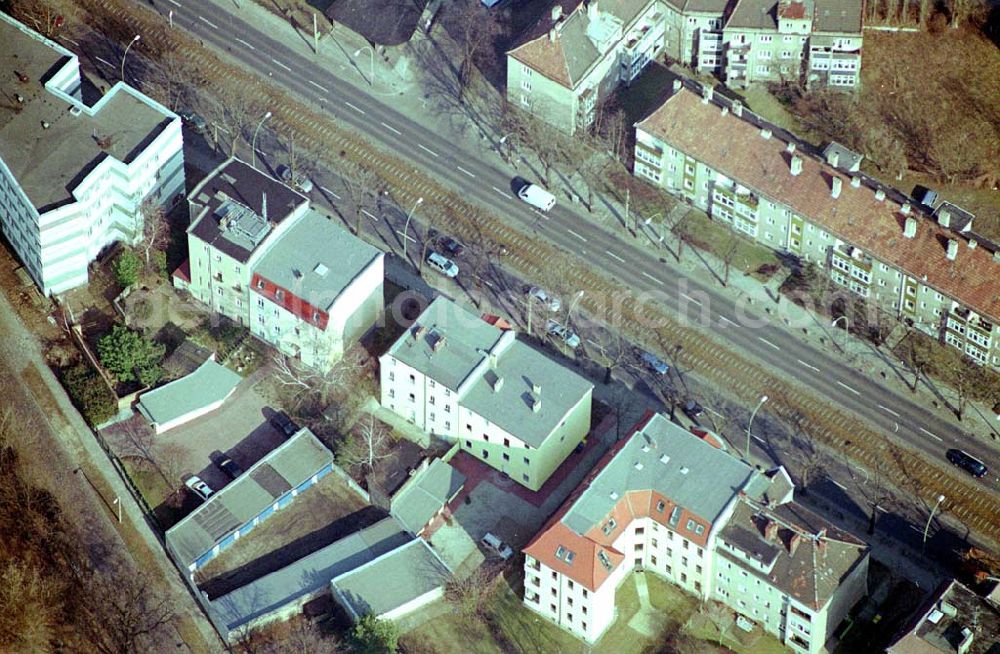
(563, 333)
(497, 546)
(537, 197)
(199, 488)
(298, 180)
(547, 300)
(442, 264)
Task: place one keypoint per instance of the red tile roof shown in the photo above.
(735, 147)
(289, 301)
(183, 271)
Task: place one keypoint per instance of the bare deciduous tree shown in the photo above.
(127, 612)
(478, 31)
(730, 249)
(151, 223)
(367, 445)
(471, 596)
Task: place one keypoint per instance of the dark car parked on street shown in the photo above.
(967, 462)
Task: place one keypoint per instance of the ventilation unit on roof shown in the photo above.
(638, 465)
(321, 269)
(664, 458)
(75, 110)
(614, 495)
(684, 470)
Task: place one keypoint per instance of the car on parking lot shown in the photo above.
(284, 424)
(230, 467)
(199, 487)
(550, 302)
(442, 264)
(967, 462)
(451, 246)
(654, 363)
(497, 546)
(298, 180)
(563, 333)
(195, 122)
(693, 410)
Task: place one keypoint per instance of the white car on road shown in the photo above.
(536, 196)
(563, 333)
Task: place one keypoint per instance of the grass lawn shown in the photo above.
(717, 237)
(761, 102)
(764, 644)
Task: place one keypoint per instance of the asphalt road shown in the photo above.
(482, 182)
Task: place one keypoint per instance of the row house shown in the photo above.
(925, 267)
(462, 379)
(815, 42)
(75, 178)
(672, 503)
(259, 255)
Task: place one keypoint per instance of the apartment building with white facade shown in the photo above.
(929, 269)
(815, 42)
(672, 503)
(579, 53)
(259, 255)
(74, 177)
(460, 378)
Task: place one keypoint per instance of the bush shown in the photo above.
(90, 394)
(126, 268)
(129, 355)
(374, 636)
(159, 263)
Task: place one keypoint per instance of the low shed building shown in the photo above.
(189, 397)
(426, 495)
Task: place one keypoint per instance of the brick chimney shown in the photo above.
(796, 165)
(880, 195)
(855, 182)
(707, 92)
(536, 404)
(677, 85)
(833, 158)
(905, 209)
(765, 133)
(790, 148)
(438, 344)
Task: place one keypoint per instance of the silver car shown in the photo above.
(199, 488)
(549, 301)
(442, 264)
(563, 333)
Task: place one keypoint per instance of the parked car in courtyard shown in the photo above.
(199, 487)
(497, 546)
(284, 424)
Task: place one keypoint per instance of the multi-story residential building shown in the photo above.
(872, 240)
(674, 504)
(954, 620)
(261, 257)
(460, 378)
(816, 42)
(579, 53)
(73, 177)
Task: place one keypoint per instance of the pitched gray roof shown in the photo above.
(696, 475)
(391, 580)
(511, 407)
(417, 502)
(316, 259)
(466, 336)
(308, 574)
(754, 14)
(210, 383)
(838, 16)
(284, 468)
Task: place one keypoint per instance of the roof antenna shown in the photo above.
(263, 204)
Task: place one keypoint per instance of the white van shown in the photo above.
(537, 197)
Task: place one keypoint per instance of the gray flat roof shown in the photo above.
(284, 468)
(467, 338)
(308, 574)
(696, 475)
(838, 16)
(511, 407)
(316, 259)
(391, 580)
(417, 502)
(754, 14)
(237, 185)
(48, 163)
(208, 384)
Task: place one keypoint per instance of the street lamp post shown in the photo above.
(371, 51)
(406, 227)
(125, 54)
(847, 327)
(927, 527)
(569, 314)
(763, 398)
(253, 142)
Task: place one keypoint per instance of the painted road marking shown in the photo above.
(888, 410)
(614, 256)
(690, 299)
(843, 385)
(278, 63)
(321, 88)
(175, 3)
(576, 235)
(391, 128)
(360, 111)
(428, 151)
(838, 484)
(406, 236)
(503, 193)
(103, 61)
(767, 342)
(465, 171)
(370, 215)
(807, 365)
(330, 192)
(932, 435)
(653, 278)
(724, 319)
(211, 24)
(249, 45)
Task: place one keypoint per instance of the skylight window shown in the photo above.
(609, 527)
(321, 270)
(605, 561)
